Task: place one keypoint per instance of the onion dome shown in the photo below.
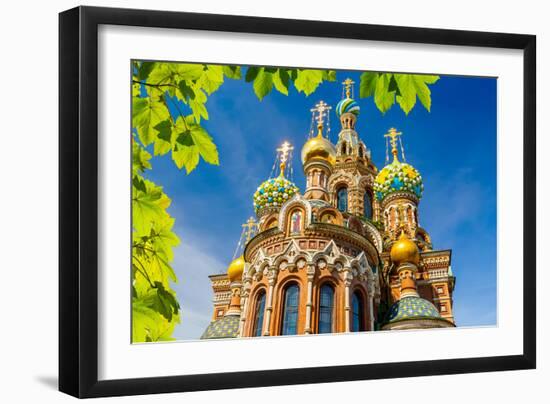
(347, 105)
(235, 269)
(397, 176)
(319, 147)
(273, 193)
(225, 327)
(411, 308)
(404, 250)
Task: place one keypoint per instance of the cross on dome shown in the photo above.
(284, 152)
(348, 86)
(249, 229)
(321, 108)
(393, 134)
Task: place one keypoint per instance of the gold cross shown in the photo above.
(321, 108)
(250, 227)
(348, 83)
(393, 134)
(284, 151)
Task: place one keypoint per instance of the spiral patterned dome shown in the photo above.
(347, 105)
(273, 193)
(398, 177)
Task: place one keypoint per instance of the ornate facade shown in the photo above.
(346, 255)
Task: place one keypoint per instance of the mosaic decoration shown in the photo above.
(273, 193)
(225, 327)
(396, 177)
(411, 307)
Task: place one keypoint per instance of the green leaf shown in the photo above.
(251, 73)
(383, 98)
(411, 86)
(186, 91)
(146, 114)
(263, 83)
(367, 85)
(211, 79)
(191, 144)
(140, 158)
(281, 81)
(197, 105)
(329, 75)
(145, 68)
(232, 72)
(307, 81)
(163, 142)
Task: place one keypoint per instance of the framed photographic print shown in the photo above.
(249, 201)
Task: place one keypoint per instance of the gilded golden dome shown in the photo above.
(235, 269)
(404, 250)
(319, 147)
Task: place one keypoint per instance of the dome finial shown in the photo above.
(393, 134)
(321, 109)
(284, 152)
(348, 87)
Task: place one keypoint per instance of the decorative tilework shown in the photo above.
(411, 307)
(226, 327)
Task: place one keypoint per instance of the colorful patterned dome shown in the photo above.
(225, 327)
(347, 105)
(396, 177)
(273, 193)
(411, 307)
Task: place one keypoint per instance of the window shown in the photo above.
(344, 148)
(290, 310)
(296, 222)
(259, 315)
(326, 309)
(367, 205)
(342, 199)
(357, 323)
(360, 152)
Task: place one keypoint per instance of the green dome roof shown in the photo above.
(273, 193)
(225, 327)
(396, 177)
(411, 307)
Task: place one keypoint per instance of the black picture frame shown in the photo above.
(78, 200)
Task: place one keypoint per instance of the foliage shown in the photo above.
(386, 88)
(155, 309)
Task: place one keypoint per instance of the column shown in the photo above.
(269, 304)
(347, 308)
(309, 303)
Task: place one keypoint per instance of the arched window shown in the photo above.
(367, 205)
(296, 222)
(326, 309)
(342, 199)
(290, 310)
(259, 314)
(357, 323)
(344, 149)
(361, 151)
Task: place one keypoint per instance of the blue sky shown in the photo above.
(453, 147)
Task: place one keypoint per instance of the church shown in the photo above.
(349, 254)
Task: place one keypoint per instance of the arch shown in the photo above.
(344, 148)
(360, 151)
(259, 309)
(270, 222)
(326, 317)
(286, 210)
(367, 205)
(355, 225)
(358, 320)
(331, 216)
(290, 309)
(342, 198)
